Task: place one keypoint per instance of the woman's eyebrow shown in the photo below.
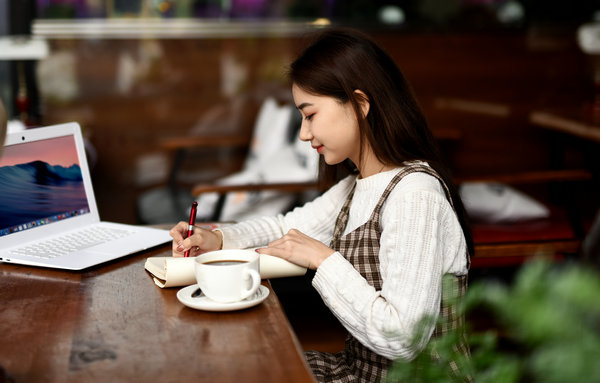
(303, 105)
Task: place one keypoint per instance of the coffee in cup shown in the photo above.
(228, 276)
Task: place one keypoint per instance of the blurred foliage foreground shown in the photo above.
(546, 329)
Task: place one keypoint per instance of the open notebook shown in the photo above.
(173, 272)
(48, 212)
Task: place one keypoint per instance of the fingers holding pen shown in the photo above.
(178, 232)
(200, 241)
(193, 243)
(180, 243)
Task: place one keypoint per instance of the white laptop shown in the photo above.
(48, 213)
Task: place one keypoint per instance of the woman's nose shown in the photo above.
(304, 133)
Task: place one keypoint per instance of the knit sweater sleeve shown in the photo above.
(315, 219)
(412, 248)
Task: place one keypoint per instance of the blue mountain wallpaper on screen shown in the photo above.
(36, 190)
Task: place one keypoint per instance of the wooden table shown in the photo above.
(112, 324)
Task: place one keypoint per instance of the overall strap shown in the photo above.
(413, 168)
(342, 218)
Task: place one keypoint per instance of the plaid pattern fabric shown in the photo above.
(356, 363)
(454, 288)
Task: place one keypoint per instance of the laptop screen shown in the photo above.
(40, 183)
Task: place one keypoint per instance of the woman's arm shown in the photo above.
(315, 219)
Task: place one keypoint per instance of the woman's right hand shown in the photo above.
(200, 242)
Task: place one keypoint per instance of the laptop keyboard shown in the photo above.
(71, 242)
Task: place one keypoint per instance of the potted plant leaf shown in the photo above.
(546, 329)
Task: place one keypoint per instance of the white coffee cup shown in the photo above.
(228, 276)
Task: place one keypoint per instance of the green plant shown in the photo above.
(547, 329)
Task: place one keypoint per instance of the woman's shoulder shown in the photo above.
(420, 181)
(415, 189)
(421, 178)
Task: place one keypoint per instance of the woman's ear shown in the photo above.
(363, 101)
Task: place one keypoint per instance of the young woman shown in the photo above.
(383, 237)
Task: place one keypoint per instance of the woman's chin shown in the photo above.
(329, 160)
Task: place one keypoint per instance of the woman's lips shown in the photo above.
(319, 148)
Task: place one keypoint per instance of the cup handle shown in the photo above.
(255, 283)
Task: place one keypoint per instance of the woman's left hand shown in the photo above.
(298, 248)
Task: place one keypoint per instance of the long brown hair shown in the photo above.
(340, 61)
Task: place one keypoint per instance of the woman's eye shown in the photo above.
(308, 117)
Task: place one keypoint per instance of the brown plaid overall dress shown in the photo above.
(356, 363)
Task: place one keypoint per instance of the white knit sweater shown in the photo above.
(421, 240)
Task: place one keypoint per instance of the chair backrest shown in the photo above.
(271, 130)
(276, 155)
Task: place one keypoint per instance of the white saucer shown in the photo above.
(201, 302)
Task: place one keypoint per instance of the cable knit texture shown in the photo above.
(421, 240)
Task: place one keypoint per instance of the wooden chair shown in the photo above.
(181, 147)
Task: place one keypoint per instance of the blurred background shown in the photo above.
(167, 93)
(137, 73)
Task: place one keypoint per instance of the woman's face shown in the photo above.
(331, 127)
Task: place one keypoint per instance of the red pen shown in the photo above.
(191, 224)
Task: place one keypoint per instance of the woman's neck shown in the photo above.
(371, 165)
